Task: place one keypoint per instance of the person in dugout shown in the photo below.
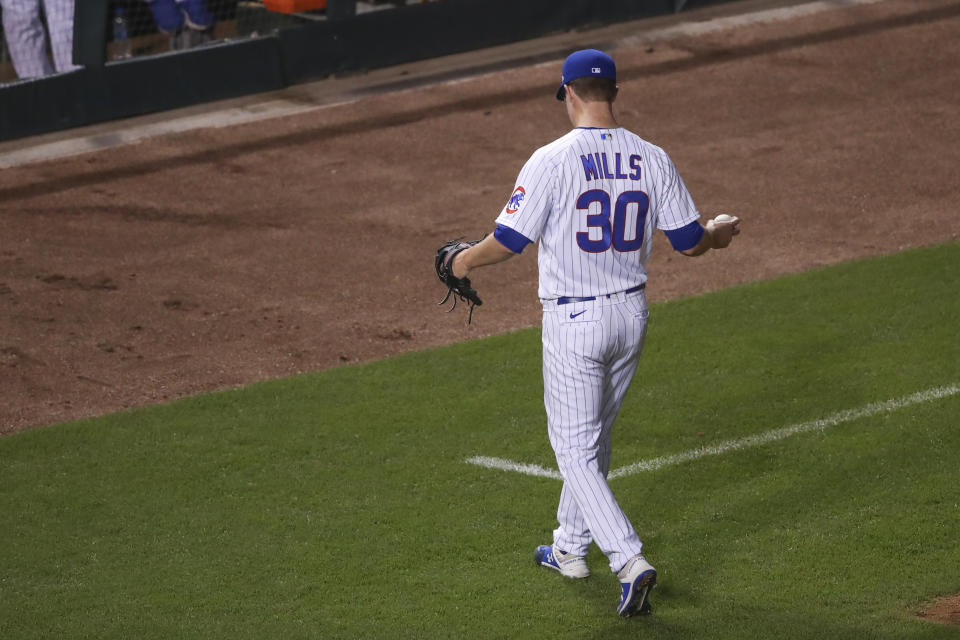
(187, 22)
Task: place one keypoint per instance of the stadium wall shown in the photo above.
(103, 91)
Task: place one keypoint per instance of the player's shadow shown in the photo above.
(702, 57)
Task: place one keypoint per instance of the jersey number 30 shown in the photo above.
(615, 234)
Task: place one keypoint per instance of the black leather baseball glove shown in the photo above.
(456, 287)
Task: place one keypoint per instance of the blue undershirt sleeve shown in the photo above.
(685, 237)
(513, 240)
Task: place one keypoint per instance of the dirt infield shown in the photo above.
(216, 258)
(945, 610)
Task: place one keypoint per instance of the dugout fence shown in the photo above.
(136, 59)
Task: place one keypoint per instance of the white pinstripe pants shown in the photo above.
(590, 353)
(27, 42)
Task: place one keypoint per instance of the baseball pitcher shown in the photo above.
(592, 198)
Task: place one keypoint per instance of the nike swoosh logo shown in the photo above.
(574, 315)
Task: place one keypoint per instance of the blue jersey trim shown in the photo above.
(511, 239)
(686, 237)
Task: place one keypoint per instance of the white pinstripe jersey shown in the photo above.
(593, 198)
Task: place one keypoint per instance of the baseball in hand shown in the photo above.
(722, 229)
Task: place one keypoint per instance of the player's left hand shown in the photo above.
(456, 287)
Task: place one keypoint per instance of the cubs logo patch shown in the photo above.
(515, 200)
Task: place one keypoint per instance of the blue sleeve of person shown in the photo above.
(686, 237)
(511, 239)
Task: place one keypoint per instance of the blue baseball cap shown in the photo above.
(586, 63)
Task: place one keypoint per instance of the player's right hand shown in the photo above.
(722, 229)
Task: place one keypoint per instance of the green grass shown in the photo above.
(338, 505)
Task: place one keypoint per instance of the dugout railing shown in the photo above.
(291, 47)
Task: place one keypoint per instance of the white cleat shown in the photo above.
(567, 564)
(636, 580)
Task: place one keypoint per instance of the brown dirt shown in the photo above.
(216, 258)
(945, 610)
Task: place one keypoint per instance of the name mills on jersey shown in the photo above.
(596, 166)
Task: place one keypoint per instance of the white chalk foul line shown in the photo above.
(736, 444)
(509, 465)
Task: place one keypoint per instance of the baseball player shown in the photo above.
(593, 199)
(27, 41)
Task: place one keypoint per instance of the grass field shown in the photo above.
(340, 505)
